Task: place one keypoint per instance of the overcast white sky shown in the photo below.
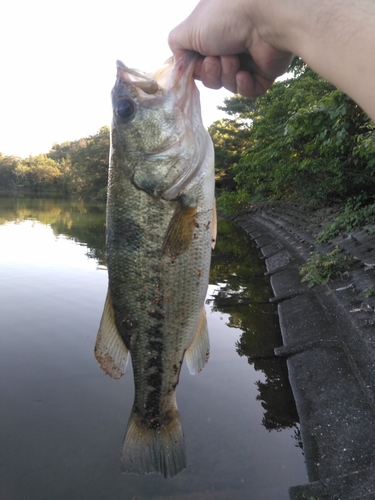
(58, 64)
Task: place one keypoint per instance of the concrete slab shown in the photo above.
(287, 283)
(278, 261)
(270, 249)
(264, 240)
(329, 341)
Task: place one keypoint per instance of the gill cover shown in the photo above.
(157, 131)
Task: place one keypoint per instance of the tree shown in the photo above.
(90, 165)
(9, 178)
(78, 168)
(38, 172)
(306, 140)
(230, 138)
(84, 165)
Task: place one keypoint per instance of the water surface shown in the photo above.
(62, 420)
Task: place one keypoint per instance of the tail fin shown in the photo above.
(160, 449)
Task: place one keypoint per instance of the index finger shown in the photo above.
(177, 47)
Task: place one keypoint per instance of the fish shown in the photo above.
(160, 230)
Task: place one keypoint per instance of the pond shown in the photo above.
(63, 420)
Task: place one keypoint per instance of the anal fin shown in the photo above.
(110, 350)
(198, 352)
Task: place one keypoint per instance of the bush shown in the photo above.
(230, 203)
(355, 214)
(322, 267)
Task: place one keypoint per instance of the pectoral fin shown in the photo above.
(180, 232)
(110, 350)
(197, 354)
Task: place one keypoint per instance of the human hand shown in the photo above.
(236, 45)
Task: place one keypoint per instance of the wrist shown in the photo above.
(335, 38)
(280, 23)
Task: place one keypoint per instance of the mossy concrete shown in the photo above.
(328, 336)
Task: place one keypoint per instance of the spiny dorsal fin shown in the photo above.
(180, 231)
(110, 350)
(197, 354)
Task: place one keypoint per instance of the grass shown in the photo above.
(354, 215)
(323, 267)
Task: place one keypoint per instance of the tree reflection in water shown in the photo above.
(243, 292)
(78, 220)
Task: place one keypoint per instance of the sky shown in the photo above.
(57, 65)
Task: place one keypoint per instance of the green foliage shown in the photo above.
(84, 165)
(238, 106)
(305, 140)
(358, 212)
(231, 202)
(77, 168)
(370, 291)
(9, 177)
(365, 149)
(322, 267)
(37, 172)
(230, 139)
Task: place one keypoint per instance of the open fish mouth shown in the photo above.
(173, 87)
(173, 77)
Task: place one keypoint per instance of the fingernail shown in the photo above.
(212, 70)
(226, 66)
(198, 69)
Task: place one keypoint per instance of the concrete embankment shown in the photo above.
(329, 340)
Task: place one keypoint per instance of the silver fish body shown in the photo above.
(161, 225)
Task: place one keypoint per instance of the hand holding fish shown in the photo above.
(233, 37)
(246, 44)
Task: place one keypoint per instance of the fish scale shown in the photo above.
(160, 227)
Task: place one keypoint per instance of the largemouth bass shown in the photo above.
(161, 225)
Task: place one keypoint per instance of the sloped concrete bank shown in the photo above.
(329, 341)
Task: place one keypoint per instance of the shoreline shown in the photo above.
(328, 334)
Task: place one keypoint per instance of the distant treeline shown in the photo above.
(303, 140)
(77, 168)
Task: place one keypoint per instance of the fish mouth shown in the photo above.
(175, 77)
(173, 82)
(183, 85)
(136, 78)
(186, 94)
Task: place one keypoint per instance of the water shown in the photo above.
(62, 420)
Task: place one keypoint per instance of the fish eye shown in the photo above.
(124, 109)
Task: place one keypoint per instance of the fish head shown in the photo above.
(158, 137)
